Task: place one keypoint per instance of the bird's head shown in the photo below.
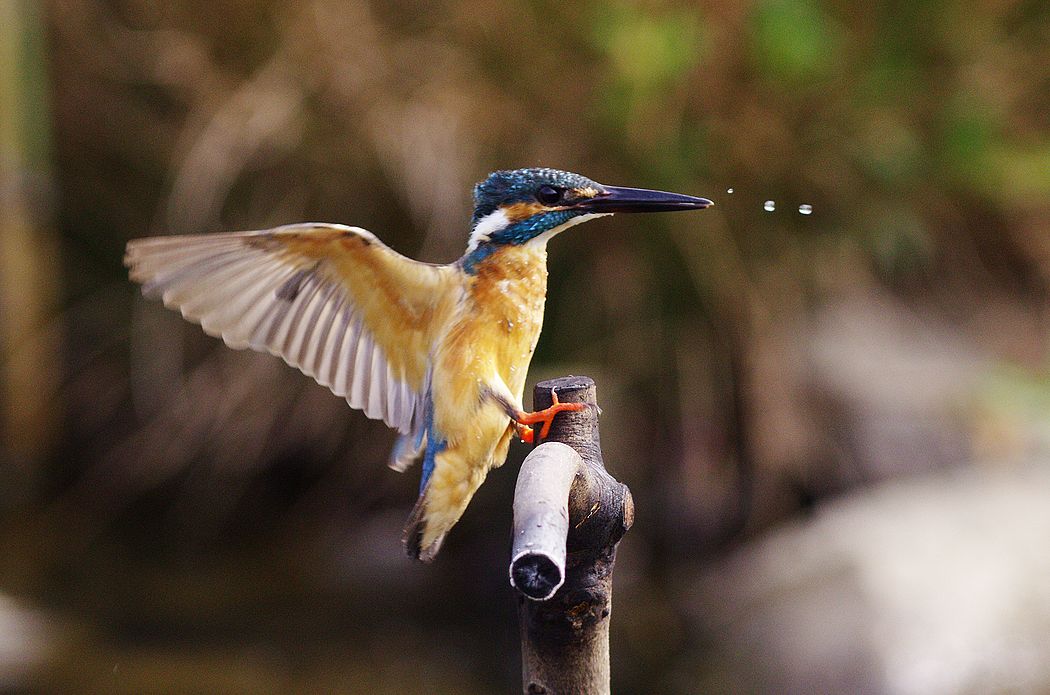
(519, 206)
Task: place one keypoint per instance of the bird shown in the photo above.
(438, 352)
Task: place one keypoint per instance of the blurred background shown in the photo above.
(836, 425)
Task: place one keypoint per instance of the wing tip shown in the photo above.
(407, 450)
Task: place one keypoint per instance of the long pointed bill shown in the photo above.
(617, 199)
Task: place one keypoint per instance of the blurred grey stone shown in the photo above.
(24, 640)
(937, 585)
(890, 383)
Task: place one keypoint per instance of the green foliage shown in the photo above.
(647, 53)
(647, 49)
(795, 41)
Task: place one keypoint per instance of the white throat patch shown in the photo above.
(497, 221)
(488, 225)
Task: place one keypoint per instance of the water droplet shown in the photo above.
(769, 205)
(729, 190)
(805, 209)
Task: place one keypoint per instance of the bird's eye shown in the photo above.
(548, 195)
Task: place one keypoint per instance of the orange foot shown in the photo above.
(546, 416)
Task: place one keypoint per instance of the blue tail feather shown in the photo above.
(435, 445)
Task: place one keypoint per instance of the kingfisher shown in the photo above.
(438, 352)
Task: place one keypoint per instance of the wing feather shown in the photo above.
(317, 331)
(331, 300)
(308, 326)
(362, 365)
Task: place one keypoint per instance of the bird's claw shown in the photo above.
(525, 433)
(545, 416)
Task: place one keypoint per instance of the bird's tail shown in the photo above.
(415, 530)
(444, 496)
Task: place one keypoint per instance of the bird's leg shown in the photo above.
(522, 420)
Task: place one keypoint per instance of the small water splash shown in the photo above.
(769, 205)
(805, 209)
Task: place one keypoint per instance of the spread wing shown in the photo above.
(331, 300)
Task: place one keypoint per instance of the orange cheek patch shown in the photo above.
(523, 211)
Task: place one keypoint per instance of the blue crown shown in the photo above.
(519, 185)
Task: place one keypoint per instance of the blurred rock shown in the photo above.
(924, 586)
(894, 383)
(23, 643)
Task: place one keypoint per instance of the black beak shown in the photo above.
(616, 199)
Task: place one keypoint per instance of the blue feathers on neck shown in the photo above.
(470, 262)
(516, 234)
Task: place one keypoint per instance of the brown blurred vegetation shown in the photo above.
(197, 520)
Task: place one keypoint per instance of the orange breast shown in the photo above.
(494, 333)
(490, 342)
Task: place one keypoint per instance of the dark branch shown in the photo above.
(574, 513)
